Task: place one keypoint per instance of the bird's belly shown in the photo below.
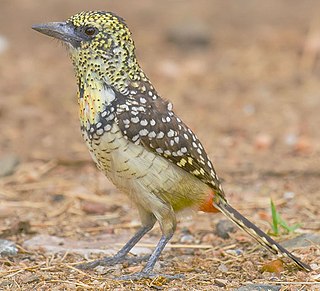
(143, 174)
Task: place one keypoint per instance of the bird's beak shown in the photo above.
(59, 30)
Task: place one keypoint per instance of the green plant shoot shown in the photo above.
(278, 223)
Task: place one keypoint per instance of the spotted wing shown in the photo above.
(153, 124)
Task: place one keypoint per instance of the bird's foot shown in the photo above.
(149, 275)
(111, 261)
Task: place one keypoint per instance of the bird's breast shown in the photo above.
(143, 174)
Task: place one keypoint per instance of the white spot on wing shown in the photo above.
(143, 132)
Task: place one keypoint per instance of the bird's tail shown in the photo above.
(256, 233)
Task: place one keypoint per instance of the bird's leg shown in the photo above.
(146, 272)
(156, 254)
(121, 255)
(167, 223)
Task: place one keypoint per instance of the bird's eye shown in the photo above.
(90, 31)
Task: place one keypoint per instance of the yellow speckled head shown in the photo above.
(103, 55)
(101, 48)
(101, 30)
(105, 51)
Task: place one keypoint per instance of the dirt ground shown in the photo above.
(244, 75)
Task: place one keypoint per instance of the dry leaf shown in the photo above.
(275, 266)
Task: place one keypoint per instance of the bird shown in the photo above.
(137, 140)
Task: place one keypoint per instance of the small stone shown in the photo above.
(290, 139)
(258, 287)
(303, 240)
(263, 141)
(221, 282)
(8, 164)
(57, 197)
(289, 195)
(189, 252)
(224, 227)
(93, 208)
(303, 146)
(7, 248)
(187, 238)
(223, 268)
(275, 266)
(236, 252)
(314, 266)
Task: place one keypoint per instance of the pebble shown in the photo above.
(303, 240)
(7, 248)
(303, 146)
(236, 252)
(290, 139)
(57, 197)
(223, 268)
(224, 227)
(314, 266)
(263, 141)
(8, 164)
(187, 238)
(289, 195)
(93, 208)
(221, 282)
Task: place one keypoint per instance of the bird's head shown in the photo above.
(100, 45)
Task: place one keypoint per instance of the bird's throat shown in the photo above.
(92, 101)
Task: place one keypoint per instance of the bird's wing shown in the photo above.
(154, 125)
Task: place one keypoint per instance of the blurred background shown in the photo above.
(244, 75)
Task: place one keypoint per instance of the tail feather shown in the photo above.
(256, 233)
